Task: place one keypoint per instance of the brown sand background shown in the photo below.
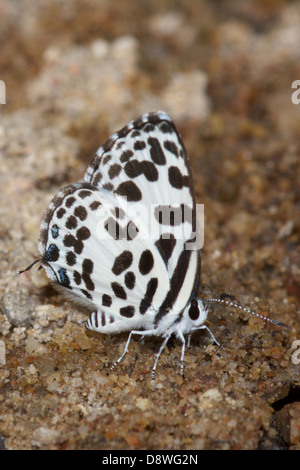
(75, 72)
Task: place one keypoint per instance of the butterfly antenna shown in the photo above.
(247, 310)
(29, 267)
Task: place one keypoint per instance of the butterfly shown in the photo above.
(123, 241)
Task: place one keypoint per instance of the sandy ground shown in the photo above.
(77, 71)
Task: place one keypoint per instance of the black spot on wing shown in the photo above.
(87, 269)
(114, 170)
(134, 168)
(156, 152)
(80, 212)
(106, 300)
(166, 128)
(171, 146)
(176, 179)
(108, 186)
(129, 280)
(60, 213)
(70, 258)
(87, 294)
(139, 145)
(55, 231)
(83, 233)
(97, 178)
(71, 222)
(128, 311)
(70, 201)
(88, 281)
(87, 265)
(146, 262)
(135, 133)
(118, 290)
(52, 254)
(126, 155)
(63, 277)
(129, 190)
(106, 159)
(122, 262)
(148, 128)
(120, 144)
(69, 240)
(149, 170)
(94, 205)
(84, 193)
(77, 277)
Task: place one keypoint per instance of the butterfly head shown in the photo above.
(194, 315)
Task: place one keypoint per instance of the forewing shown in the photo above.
(146, 163)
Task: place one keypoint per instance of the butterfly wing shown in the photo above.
(97, 254)
(130, 261)
(146, 163)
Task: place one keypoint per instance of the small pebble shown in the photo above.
(2, 353)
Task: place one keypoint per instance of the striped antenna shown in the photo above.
(232, 304)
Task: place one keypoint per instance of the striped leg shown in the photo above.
(158, 354)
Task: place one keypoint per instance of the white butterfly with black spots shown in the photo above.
(123, 240)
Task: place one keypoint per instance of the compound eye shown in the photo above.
(194, 310)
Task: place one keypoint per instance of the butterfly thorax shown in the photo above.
(182, 322)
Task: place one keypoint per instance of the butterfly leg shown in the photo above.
(204, 327)
(146, 333)
(180, 335)
(162, 347)
(124, 352)
(133, 332)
